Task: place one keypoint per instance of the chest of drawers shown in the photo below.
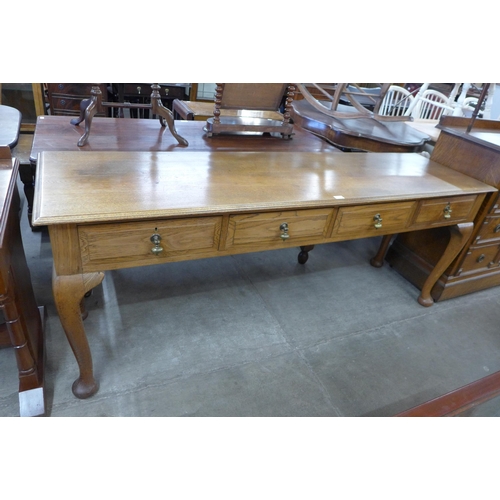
(477, 267)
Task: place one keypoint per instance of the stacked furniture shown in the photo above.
(476, 154)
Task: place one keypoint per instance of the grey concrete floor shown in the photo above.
(261, 335)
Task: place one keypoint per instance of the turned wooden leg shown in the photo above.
(378, 259)
(68, 296)
(304, 253)
(459, 235)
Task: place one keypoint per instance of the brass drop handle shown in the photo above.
(447, 211)
(378, 221)
(155, 239)
(284, 231)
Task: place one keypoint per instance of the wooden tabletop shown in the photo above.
(368, 133)
(10, 124)
(120, 186)
(55, 133)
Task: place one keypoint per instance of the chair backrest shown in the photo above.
(396, 101)
(431, 106)
(254, 96)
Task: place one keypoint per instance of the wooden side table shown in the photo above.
(23, 329)
(10, 124)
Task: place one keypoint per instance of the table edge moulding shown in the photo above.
(113, 210)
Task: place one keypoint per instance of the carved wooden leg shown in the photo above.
(304, 253)
(90, 111)
(68, 295)
(84, 104)
(378, 260)
(459, 235)
(166, 116)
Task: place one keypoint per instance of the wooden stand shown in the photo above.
(89, 107)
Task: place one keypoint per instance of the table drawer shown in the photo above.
(110, 246)
(490, 229)
(445, 210)
(481, 258)
(276, 229)
(66, 104)
(364, 221)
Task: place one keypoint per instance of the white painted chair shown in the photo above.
(468, 106)
(396, 102)
(432, 105)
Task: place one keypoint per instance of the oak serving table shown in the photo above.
(112, 210)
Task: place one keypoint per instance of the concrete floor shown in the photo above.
(261, 335)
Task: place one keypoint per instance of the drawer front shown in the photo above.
(109, 246)
(445, 210)
(372, 220)
(144, 90)
(490, 230)
(278, 229)
(67, 103)
(79, 89)
(481, 258)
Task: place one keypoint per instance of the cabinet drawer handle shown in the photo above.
(284, 231)
(481, 258)
(447, 211)
(497, 229)
(378, 221)
(155, 239)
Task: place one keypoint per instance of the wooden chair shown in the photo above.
(432, 105)
(347, 100)
(262, 97)
(469, 105)
(396, 102)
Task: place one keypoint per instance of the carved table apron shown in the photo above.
(112, 210)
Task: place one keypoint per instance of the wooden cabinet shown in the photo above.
(476, 154)
(22, 329)
(140, 93)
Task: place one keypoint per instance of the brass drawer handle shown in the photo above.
(378, 221)
(497, 229)
(284, 231)
(155, 239)
(481, 257)
(447, 211)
